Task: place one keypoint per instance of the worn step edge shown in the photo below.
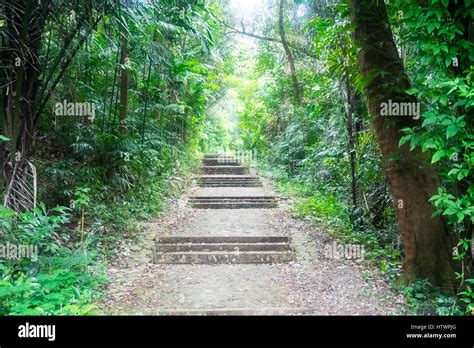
(221, 162)
(226, 172)
(248, 200)
(232, 197)
(234, 206)
(215, 155)
(272, 311)
(228, 180)
(233, 201)
(210, 155)
(224, 164)
(226, 177)
(219, 257)
(223, 239)
(225, 169)
(160, 247)
(221, 181)
(230, 185)
(236, 201)
(236, 178)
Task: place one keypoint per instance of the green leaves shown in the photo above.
(55, 290)
(438, 155)
(452, 130)
(58, 278)
(445, 87)
(459, 172)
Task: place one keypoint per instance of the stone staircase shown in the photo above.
(222, 250)
(225, 172)
(229, 181)
(221, 161)
(233, 202)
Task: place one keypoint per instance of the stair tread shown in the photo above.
(241, 178)
(218, 239)
(223, 252)
(232, 197)
(226, 167)
(227, 244)
(232, 201)
(179, 247)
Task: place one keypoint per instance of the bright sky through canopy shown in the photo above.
(246, 8)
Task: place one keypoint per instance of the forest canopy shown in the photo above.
(361, 109)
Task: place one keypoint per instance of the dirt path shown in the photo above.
(312, 284)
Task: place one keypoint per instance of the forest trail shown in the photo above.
(228, 246)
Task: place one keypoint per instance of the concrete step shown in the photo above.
(230, 170)
(222, 250)
(236, 181)
(169, 248)
(223, 181)
(221, 161)
(222, 239)
(229, 184)
(228, 178)
(233, 202)
(220, 257)
(272, 311)
(232, 198)
(213, 155)
(218, 205)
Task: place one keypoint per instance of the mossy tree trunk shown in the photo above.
(426, 240)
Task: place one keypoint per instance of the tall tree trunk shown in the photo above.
(351, 146)
(289, 55)
(124, 79)
(426, 240)
(25, 27)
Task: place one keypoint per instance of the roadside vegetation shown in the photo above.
(307, 85)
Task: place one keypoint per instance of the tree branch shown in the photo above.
(264, 38)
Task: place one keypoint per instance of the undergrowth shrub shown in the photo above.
(57, 277)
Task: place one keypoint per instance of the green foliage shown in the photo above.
(447, 92)
(321, 208)
(112, 173)
(37, 227)
(174, 76)
(423, 299)
(306, 147)
(62, 285)
(55, 278)
(440, 61)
